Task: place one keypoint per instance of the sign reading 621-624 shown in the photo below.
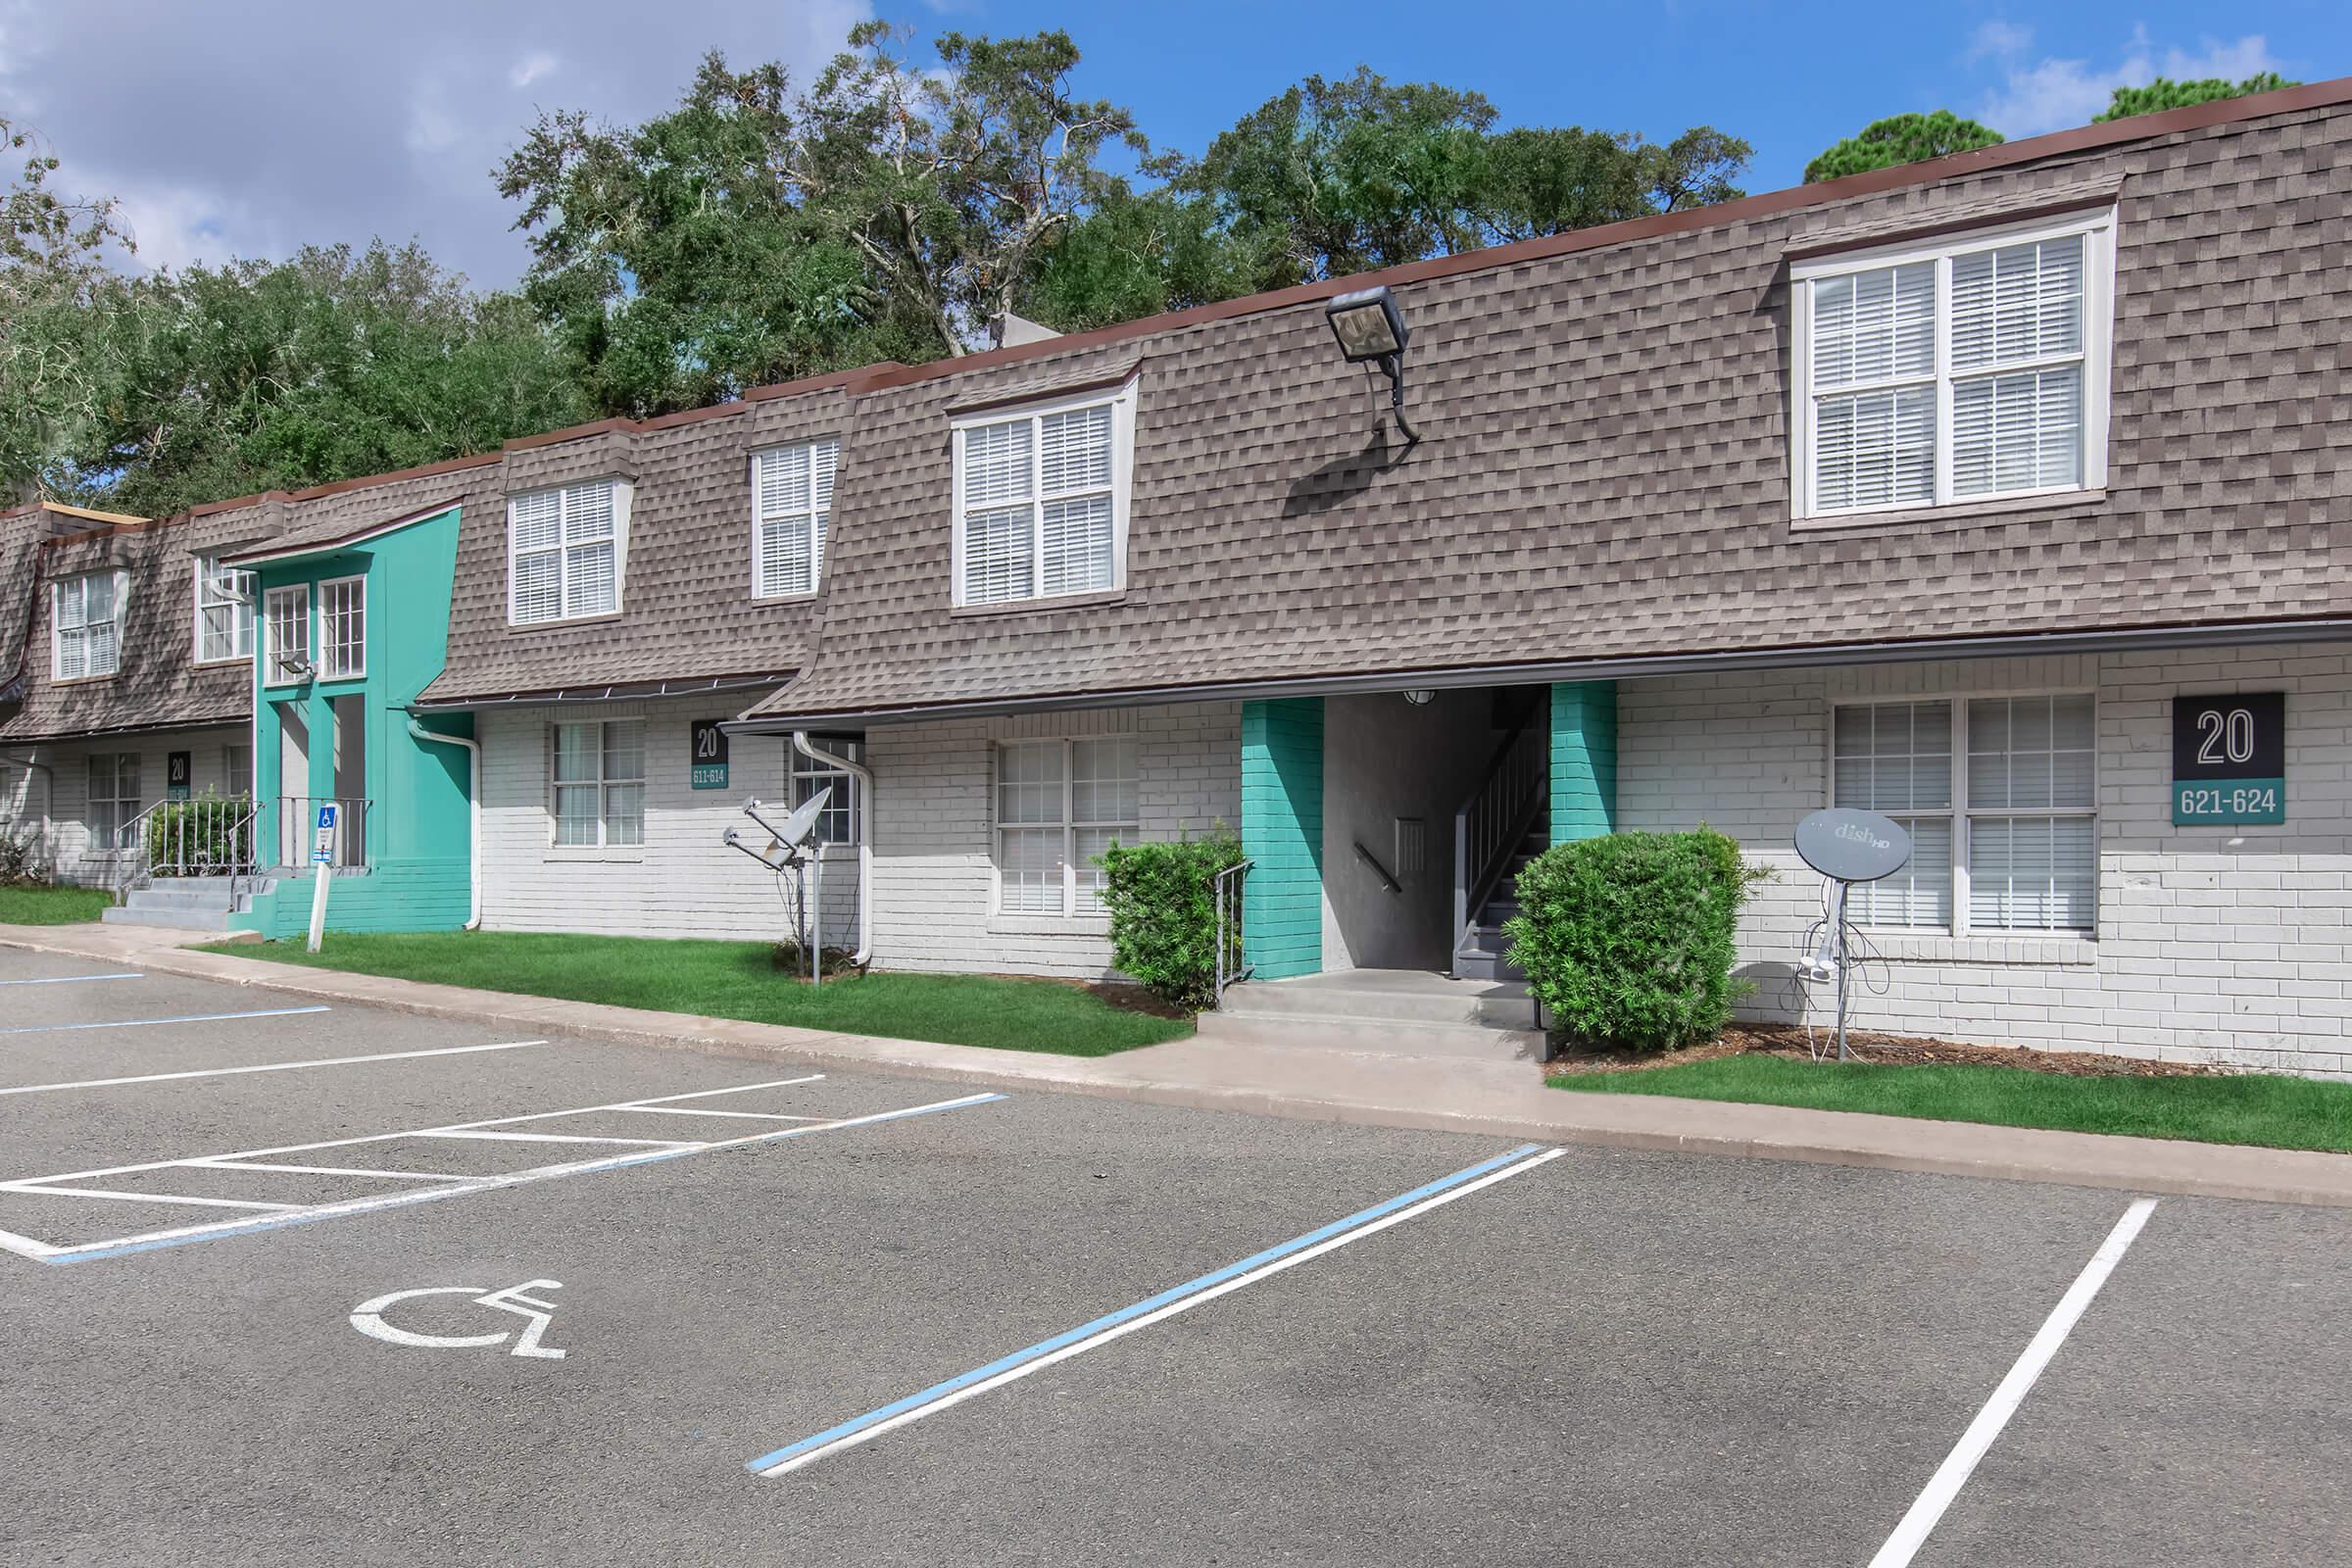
(2229, 758)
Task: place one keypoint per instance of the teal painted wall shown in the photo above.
(420, 827)
(1282, 829)
(1584, 759)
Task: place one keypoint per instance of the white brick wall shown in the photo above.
(934, 817)
(682, 881)
(62, 823)
(2212, 945)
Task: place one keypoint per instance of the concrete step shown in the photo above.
(177, 919)
(1383, 996)
(181, 895)
(1467, 1042)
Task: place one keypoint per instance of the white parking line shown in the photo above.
(332, 1170)
(689, 1110)
(138, 1197)
(265, 1066)
(144, 1023)
(71, 979)
(1950, 1476)
(568, 1138)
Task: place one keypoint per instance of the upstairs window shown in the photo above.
(566, 551)
(1041, 500)
(343, 628)
(1972, 368)
(86, 626)
(286, 628)
(224, 611)
(792, 500)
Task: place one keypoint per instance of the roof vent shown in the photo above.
(1010, 331)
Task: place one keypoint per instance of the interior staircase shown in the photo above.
(1479, 955)
(1401, 1013)
(186, 903)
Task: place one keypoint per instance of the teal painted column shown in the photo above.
(1584, 759)
(1282, 830)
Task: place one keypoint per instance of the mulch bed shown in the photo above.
(1789, 1040)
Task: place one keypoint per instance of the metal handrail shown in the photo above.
(1491, 824)
(296, 812)
(202, 835)
(1230, 965)
(1379, 870)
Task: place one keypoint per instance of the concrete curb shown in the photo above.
(1324, 1085)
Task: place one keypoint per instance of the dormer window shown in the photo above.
(224, 611)
(86, 624)
(791, 502)
(1041, 499)
(1970, 368)
(566, 550)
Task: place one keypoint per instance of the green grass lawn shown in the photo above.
(737, 980)
(51, 905)
(2271, 1111)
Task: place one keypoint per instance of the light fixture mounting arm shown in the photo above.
(1394, 364)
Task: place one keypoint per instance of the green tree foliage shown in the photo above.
(222, 381)
(1901, 139)
(56, 299)
(1163, 915)
(2163, 93)
(1628, 940)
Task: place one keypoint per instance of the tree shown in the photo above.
(222, 381)
(1551, 181)
(55, 294)
(2163, 93)
(1140, 255)
(1902, 139)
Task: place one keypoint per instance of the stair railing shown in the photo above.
(204, 835)
(1231, 970)
(1491, 824)
(297, 813)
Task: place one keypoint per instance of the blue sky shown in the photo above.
(249, 130)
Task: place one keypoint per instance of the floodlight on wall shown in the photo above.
(296, 667)
(1372, 331)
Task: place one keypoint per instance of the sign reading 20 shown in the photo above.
(2229, 758)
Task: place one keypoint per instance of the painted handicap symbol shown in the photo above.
(368, 1318)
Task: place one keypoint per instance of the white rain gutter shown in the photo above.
(473, 802)
(863, 812)
(48, 794)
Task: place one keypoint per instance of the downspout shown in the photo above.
(864, 812)
(473, 803)
(48, 795)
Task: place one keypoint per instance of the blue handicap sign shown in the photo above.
(327, 817)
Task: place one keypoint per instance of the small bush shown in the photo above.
(1163, 915)
(20, 862)
(210, 835)
(1627, 940)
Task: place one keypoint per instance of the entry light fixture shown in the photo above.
(1372, 331)
(1420, 699)
(296, 666)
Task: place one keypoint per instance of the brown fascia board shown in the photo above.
(264, 551)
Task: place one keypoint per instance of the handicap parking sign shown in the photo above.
(326, 817)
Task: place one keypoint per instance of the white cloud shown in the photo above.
(533, 66)
(2051, 93)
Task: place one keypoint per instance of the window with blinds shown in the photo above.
(2007, 842)
(286, 633)
(86, 625)
(224, 611)
(1059, 804)
(792, 501)
(565, 551)
(343, 628)
(596, 780)
(1973, 369)
(1040, 501)
(113, 800)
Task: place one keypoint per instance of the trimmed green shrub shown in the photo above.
(1162, 899)
(1627, 940)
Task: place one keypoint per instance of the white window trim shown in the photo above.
(817, 571)
(603, 849)
(798, 767)
(2098, 343)
(57, 629)
(320, 656)
(1962, 817)
(1121, 403)
(1070, 826)
(251, 581)
(272, 674)
(622, 493)
(126, 807)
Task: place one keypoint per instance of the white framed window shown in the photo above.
(838, 822)
(113, 798)
(343, 628)
(1041, 499)
(224, 611)
(86, 625)
(1059, 804)
(1968, 368)
(596, 772)
(566, 552)
(791, 502)
(2009, 842)
(285, 634)
(236, 769)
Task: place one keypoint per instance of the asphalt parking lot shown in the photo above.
(810, 1318)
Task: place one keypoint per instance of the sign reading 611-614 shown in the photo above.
(2229, 758)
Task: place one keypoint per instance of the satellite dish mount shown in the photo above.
(793, 846)
(1849, 847)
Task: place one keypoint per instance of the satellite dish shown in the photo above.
(797, 830)
(1850, 846)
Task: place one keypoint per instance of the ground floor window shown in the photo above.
(597, 774)
(1059, 804)
(2009, 842)
(236, 769)
(838, 822)
(113, 798)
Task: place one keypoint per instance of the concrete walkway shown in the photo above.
(1329, 1081)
